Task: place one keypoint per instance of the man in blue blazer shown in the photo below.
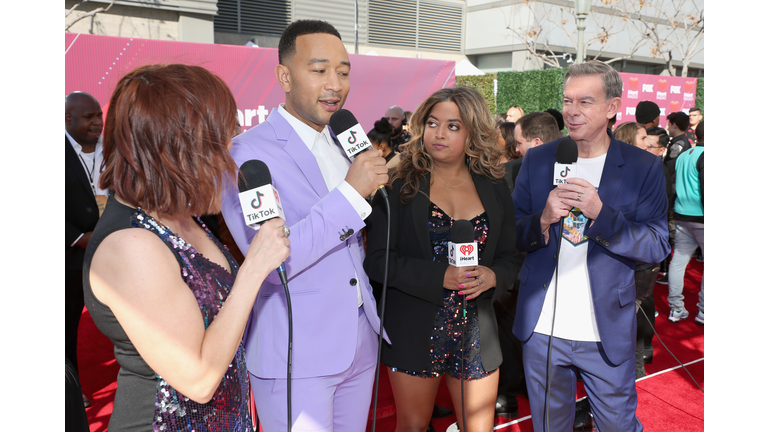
(576, 306)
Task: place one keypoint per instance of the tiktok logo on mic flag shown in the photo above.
(256, 203)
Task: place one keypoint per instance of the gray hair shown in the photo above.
(612, 83)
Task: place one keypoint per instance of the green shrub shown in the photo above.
(700, 94)
(483, 84)
(535, 90)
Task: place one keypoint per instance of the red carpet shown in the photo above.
(667, 399)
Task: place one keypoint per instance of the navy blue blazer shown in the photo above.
(631, 227)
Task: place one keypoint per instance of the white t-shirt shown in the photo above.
(575, 313)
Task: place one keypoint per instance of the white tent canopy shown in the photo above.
(464, 68)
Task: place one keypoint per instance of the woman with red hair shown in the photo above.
(162, 288)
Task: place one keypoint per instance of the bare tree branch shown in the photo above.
(74, 7)
(89, 14)
(676, 25)
(549, 18)
(670, 29)
(531, 36)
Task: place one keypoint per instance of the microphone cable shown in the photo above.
(463, 328)
(653, 327)
(284, 280)
(567, 153)
(383, 305)
(552, 330)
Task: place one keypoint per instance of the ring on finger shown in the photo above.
(286, 231)
(578, 198)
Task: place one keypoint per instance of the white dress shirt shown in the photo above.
(91, 163)
(333, 166)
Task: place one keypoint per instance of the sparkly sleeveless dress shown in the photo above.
(144, 401)
(453, 336)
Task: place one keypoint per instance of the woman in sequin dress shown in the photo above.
(448, 171)
(162, 288)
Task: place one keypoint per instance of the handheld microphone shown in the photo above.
(462, 249)
(567, 154)
(261, 202)
(351, 135)
(462, 252)
(258, 198)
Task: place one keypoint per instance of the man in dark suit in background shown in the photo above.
(531, 130)
(400, 136)
(83, 203)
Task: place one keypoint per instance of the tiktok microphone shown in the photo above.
(350, 134)
(567, 154)
(259, 199)
(462, 249)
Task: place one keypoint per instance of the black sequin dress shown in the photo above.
(454, 335)
(144, 401)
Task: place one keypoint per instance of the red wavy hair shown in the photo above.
(166, 139)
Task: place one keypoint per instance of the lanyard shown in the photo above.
(90, 174)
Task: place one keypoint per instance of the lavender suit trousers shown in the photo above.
(334, 403)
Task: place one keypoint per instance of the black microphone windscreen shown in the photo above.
(341, 120)
(253, 173)
(567, 151)
(462, 231)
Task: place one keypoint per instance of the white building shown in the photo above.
(486, 32)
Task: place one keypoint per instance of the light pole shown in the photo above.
(582, 9)
(355, 26)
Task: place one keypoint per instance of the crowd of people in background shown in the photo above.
(449, 159)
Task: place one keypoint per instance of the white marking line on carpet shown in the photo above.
(501, 426)
(670, 369)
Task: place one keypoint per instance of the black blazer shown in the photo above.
(417, 281)
(511, 170)
(80, 209)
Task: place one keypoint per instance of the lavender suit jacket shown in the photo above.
(320, 270)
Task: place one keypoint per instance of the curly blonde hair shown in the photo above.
(483, 155)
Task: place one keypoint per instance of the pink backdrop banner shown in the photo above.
(671, 94)
(94, 64)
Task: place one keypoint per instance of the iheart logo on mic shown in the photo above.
(466, 249)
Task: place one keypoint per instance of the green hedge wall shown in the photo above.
(700, 95)
(535, 90)
(483, 84)
(538, 90)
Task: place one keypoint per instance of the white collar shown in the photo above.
(79, 148)
(307, 134)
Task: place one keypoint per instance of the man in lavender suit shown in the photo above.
(334, 312)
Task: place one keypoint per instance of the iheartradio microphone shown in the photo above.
(258, 199)
(567, 154)
(462, 249)
(350, 134)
